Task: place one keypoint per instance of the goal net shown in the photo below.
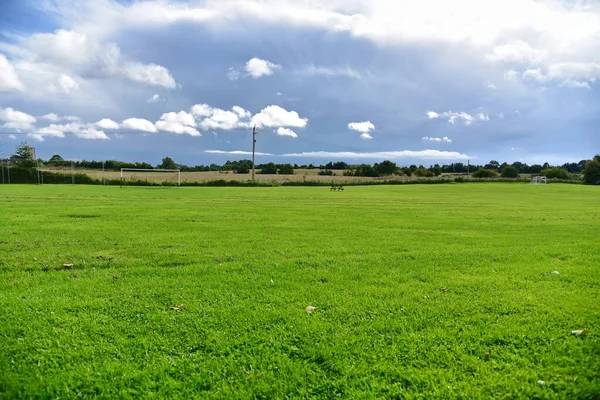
(167, 177)
(538, 180)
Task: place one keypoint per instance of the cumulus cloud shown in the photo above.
(52, 117)
(16, 119)
(67, 84)
(454, 117)
(222, 119)
(445, 139)
(150, 74)
(107, 123)
(176, 127)
(363, 127)
(181, 117)
(366, 136)
(285, 132)
(257, 67)
(422, 154)
(80, 130)
(9, 80)
(273, 116)
(139, 124)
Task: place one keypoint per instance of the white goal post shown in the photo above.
(152, 170)
(538, 180)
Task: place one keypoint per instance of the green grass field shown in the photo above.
(421, 291)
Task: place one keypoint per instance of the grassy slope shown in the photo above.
(247, 261)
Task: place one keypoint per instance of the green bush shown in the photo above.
(510, 172)
(485, 173)
(286, 169)
(556, 173)
(591, 172)
(422, 172)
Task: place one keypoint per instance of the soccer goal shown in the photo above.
(160, 176)
(538, 180)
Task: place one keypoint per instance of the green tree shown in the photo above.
(591, 171)
(286, 169)
(55, 158)
(269, 169)
(510, 172)
(422, 172)
(168, 163)
(485, 173)
(24, 155)
(386, 168)
(556, 173)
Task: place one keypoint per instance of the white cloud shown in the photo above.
(9, 80)
(366, 136)
(500, 115)
(273, 116)
(535, 74)
(13, 137)
(222, 119)
(511, 75)
(201, 110)
(139, 124)
(312, 70)
(16, 119)
(237, 152)
(572, 83)
(181, 117)
(150, 74)
(243, 114)
(52, 117)
(515, 148)
(445, 139)
(422, 154)
(278, 94)
(257, 67)
(176, 127)
(490, 85)
(155, 98)
(364, 127)
(82, 131)
(286, 132)
(233, 74)
(67, 83)
(454, 117)
(107, 123)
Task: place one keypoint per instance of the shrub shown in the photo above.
(269, 169)
(325, 172)
(286, 169)
(459, 179)
(591, 172)
(485, 173)
(556, 173)
(422, 172)
(510, 172)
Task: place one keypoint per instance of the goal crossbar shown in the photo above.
(153, 170)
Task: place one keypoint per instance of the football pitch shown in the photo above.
(481, 290)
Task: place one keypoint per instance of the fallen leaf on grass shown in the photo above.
(555, 272)
(116, 277)
(579, 332)
(426, 297)
(443, 289)
(557, 259)
(176, 308)
(310, 309)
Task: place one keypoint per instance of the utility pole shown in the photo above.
(468, 161)
(253, 149)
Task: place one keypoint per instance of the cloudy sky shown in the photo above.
(415, 81)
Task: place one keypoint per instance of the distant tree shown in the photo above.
(535, 169)
(269, 169)
(492, 165)
(386, 168)
(436, 169)
(591, 171)
(56, 158)
(24, 155)
(556, 173)
(286, 169)
(510, 172)
(242, 169)
(485, 173)
(167, 163)
(422, 172)
(406, 171)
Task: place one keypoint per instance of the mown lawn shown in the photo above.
(421, 291)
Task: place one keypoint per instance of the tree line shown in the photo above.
(590, 169)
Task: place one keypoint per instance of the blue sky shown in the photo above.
(418, 82)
